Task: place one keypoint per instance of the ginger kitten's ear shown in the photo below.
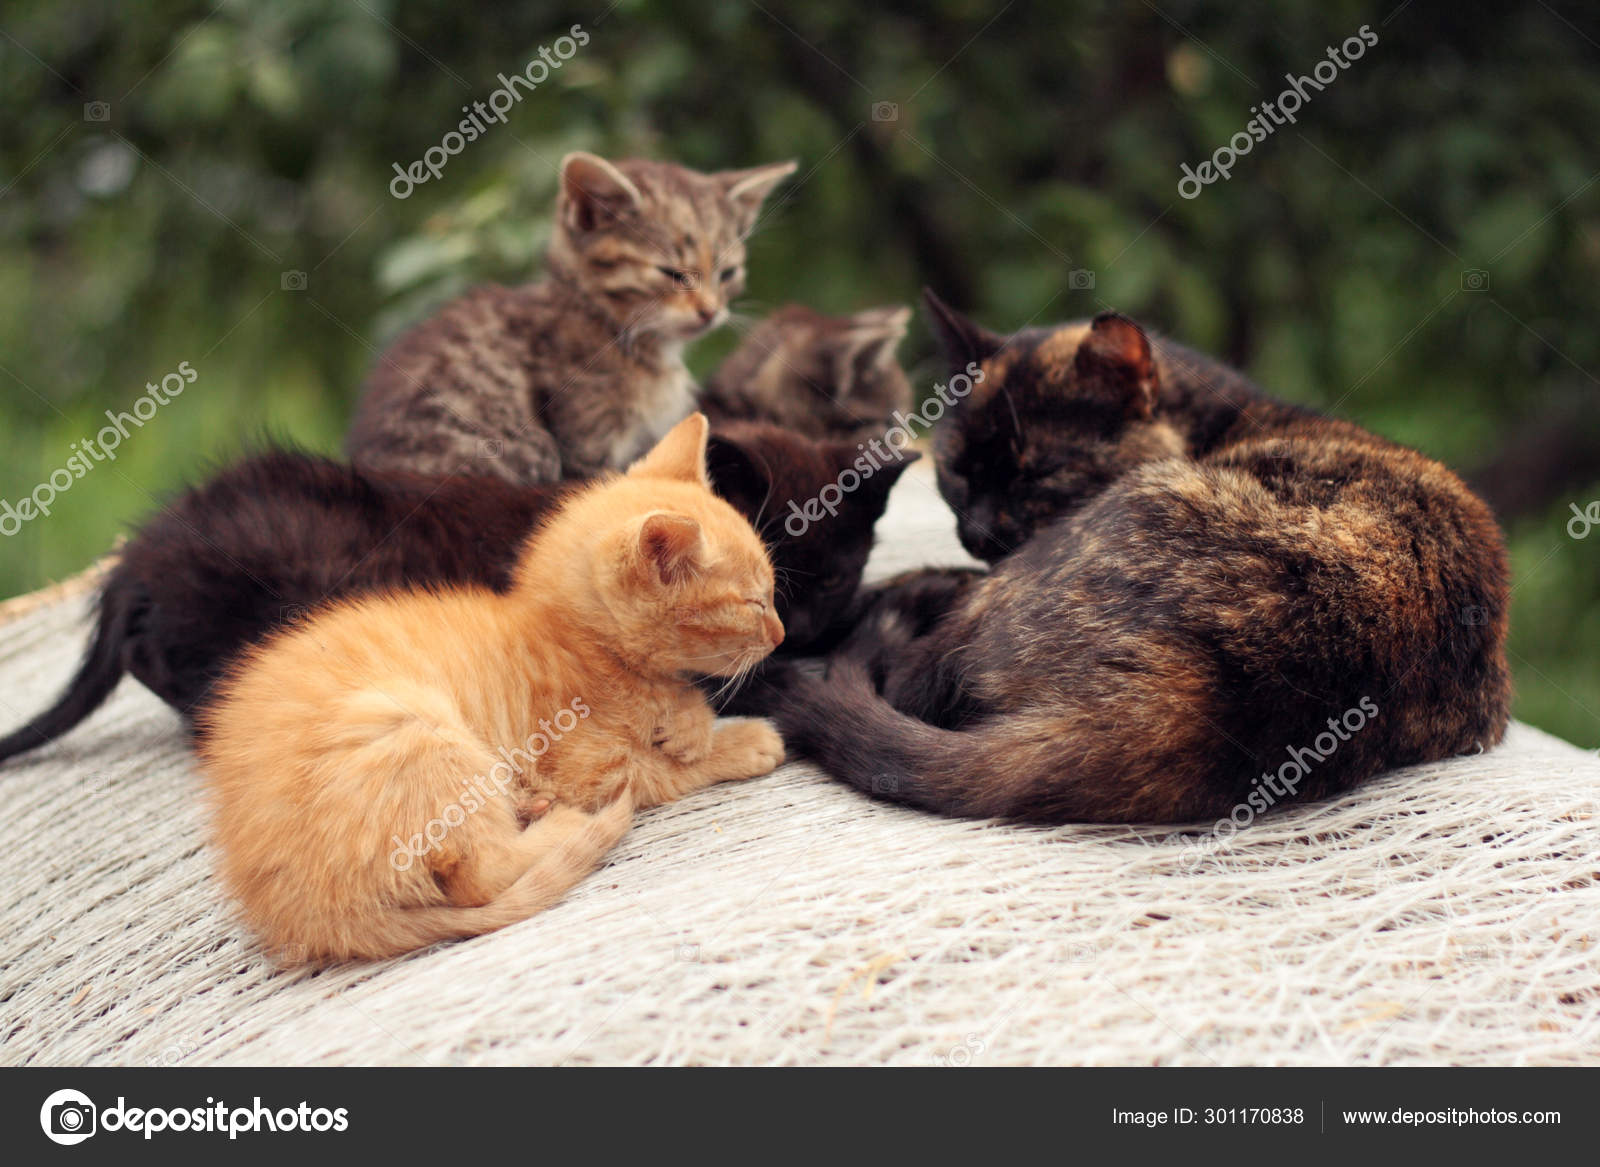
(681, 454)
(594, 192)
(670, 546)
(964, 340)
(1115, 359)
(748, 189)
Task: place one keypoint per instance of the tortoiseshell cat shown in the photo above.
(583, 370)
(373, 770)
(269, 540)
(825, 376)
(1200, 599)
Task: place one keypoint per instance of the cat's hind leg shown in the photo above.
(436, 791)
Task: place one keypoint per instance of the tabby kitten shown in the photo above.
(1202, 599)
(825, 376)
(267, 541)
(372, 767)
(582, 371)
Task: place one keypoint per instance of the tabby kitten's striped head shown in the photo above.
(661, 246)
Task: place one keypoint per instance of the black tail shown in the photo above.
(102, 668)
(1056, 766)
(846, 727)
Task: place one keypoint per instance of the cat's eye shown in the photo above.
(728, 273)
(832, 582)
(678, 276)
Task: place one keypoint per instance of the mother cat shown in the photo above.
(1202, 599)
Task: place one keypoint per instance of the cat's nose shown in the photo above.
(707, 313)
(774, 628)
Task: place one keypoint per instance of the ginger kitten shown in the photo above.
(372, 766)
(583, 370)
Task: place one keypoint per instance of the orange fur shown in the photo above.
(428, 726)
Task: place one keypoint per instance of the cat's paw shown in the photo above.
(685, 735)
(588, 831)
(749, 748)
(533, 807)
(611, 822)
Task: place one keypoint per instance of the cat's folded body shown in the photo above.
(1203, 602)
(372, 768)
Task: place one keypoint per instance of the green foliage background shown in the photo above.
(253, 138)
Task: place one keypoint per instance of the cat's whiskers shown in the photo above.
(747, 662)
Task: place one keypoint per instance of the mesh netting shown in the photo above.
(1448, 913)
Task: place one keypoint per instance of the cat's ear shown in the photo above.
(748, 189)
(594, 193)
(670, 546)
(876, 488)
(869, 343)
(1115, 358)
(736, 474)
(964, 341)
(681, 454)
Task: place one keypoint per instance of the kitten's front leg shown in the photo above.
(684, 731)
(739, 749)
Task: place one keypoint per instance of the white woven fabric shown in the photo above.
(1445, 914)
